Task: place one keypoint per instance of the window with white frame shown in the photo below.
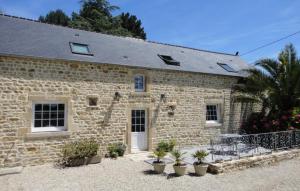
(212, 113)
(139, 83)
(49, 116)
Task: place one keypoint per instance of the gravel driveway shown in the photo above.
(124, 174)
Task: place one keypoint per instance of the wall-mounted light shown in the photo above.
(171, 106)
(117, 96)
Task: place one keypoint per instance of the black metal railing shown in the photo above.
(251, 144)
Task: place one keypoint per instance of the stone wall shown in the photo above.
(24, 80)
(249, 162)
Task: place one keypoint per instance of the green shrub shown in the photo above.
(89, 147)
(116, 149)
(282, 121)
(73, 153)
(121, 148)
(166, 146)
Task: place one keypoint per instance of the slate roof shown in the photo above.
(23, 37)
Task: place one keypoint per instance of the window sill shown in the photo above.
(94, 107)
(46, 135)
(213, 124)
(139, 94)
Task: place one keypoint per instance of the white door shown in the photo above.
(138, 130)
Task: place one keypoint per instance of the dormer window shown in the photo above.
(227, 67)
(169, 60)
(78, 48)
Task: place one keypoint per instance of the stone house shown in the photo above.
(59, 84)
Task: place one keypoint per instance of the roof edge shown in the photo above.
(238, 75)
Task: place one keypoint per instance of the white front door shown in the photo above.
(138, 130)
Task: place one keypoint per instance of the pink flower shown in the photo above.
(284, 117)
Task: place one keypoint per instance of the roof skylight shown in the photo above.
(169, 60)
(78, 48)
(227, 67)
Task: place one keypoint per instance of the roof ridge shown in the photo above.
(37, 21)
(18, 17)
(125, 37)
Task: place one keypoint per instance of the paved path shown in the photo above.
(125, 174)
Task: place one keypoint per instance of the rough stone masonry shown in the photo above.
(179, 115)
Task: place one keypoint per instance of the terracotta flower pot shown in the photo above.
(180, 169)
(200, 169)
(159, 167)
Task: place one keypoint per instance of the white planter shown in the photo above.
(159, 167)
(200, 169)
(180, 170)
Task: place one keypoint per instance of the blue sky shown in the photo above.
(217, 25)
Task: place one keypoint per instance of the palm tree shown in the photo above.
(273, 83)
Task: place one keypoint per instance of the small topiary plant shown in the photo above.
(199, 155)
(178, 155)
(159, 165)
(159, 154)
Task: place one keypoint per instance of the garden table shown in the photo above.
(231, 140)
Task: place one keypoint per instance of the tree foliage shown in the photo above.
(132, 24)
(57, 17)
(96, 15)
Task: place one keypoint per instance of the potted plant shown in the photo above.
(199, 166)
(72, 155)
(80, 152)
(179, 166)
(91, 151)
(159, 166)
